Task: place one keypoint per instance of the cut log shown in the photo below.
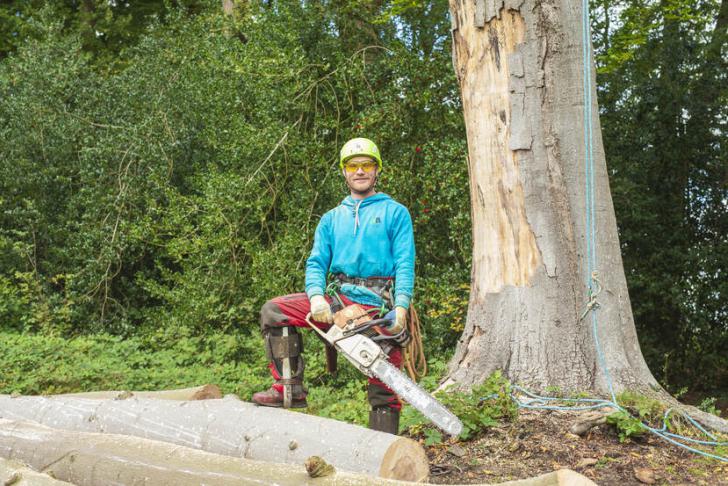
(13, 473)
(233, 428)
(204, 392)
(89, 459)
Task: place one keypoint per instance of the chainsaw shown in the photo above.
(360, 339)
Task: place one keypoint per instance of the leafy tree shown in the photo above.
(663, 94)
(183, 189)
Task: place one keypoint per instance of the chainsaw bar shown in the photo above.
(416, 396)
(369, 358)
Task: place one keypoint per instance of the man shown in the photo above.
(368, 244)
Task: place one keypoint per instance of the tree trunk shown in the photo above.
(88, 459)
(233, 428)
(519, 65)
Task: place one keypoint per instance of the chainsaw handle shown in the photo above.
(368, 325)
(379, 322)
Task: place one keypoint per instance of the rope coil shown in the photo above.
(414, 353)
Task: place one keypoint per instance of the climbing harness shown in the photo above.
(410, 339)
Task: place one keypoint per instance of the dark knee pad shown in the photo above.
(271, 315)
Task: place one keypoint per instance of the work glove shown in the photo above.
(400, 320)
(320, 310)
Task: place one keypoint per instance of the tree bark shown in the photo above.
(233, 428)
(88, 459)
(203, 392)
(519, 65)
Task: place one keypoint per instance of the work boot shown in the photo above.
(273, 398)
(384, 419)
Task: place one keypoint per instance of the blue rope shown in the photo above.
(540, 402)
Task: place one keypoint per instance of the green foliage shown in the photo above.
(482, 407)
(627, 425)
(646, 408)
(105, 28)
(663, 97)
(638, 410)
(34, 364)
(184, 189)
(708, 405)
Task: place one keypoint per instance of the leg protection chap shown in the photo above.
(384, 419)
(279, 347)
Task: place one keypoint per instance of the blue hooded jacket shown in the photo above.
(363, 238)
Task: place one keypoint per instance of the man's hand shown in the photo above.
(400, 320)
(320, 310)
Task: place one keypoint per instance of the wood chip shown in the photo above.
(586, 462)
(645, 475)
(456, 451)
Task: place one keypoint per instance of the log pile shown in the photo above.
(174, 438)
(230, 427)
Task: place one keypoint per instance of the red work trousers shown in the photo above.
(291, 310)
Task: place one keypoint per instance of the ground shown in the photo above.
(540, 442)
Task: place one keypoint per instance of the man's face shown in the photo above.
(361, 174)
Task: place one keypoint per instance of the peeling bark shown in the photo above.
(519, 65)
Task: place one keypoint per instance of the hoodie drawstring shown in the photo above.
(356, 215)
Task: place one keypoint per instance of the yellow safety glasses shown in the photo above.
(352, 167)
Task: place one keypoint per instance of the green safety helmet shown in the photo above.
(359, 146)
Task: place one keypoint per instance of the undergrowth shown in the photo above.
(641, 410)
(35, 364)
(475, 411)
